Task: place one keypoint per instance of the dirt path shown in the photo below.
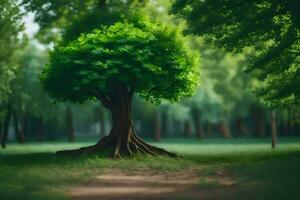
(147, 184)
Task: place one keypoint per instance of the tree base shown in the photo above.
(118, 148)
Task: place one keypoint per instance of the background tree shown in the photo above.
(113, 62)
(10, 40)
(272, 28)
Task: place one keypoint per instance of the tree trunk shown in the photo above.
(208, 130)
(1, 132)
(240, 127)
(122, 139)
(22, 131)
(187, 131)
(273, 129)
(224, 129)
(19, 133)
(5, 126)
(258, 119)
(40, 130)
(70, 126)
(197, 122)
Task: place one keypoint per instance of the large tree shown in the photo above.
(114, 61)
(271, 27)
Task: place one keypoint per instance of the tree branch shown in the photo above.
(102, 97)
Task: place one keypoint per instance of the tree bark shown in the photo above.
(122, 139)
(273, 129)
(70, 126)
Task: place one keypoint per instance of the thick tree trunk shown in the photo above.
(273, 129)
(70, 126)
(122, 139)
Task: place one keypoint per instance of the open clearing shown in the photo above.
(211, 169)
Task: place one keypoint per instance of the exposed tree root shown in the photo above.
(120, 147)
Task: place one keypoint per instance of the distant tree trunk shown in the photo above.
(5, 126)
(1, 132)
(197, 121)
(208, 127)
(297, 122)
(157, 122)
(224, 129)
(286, 125)
(273, 129)
(187, 130)
(240, 127)
(40, 130)
(258, 119)
(122, 139)
(70, 126)
(22, 131)
(19, 133)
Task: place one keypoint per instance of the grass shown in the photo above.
(33, 172)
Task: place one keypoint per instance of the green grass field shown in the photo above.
(33, 172)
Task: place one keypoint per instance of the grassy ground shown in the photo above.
(33, 172)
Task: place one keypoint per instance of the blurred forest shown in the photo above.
(225, 105)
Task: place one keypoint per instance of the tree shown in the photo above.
(111, 63)
(10, 27)
(272, 28)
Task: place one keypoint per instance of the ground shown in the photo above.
(210, 169)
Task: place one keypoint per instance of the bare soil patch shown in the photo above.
(153, 185)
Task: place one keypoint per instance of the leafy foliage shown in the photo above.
(272, 28)
(53, 16)
(10, 26)
(149, 58)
